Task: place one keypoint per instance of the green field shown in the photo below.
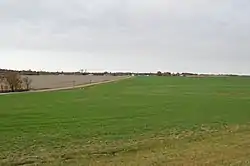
(138, 121)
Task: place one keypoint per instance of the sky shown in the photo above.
(203, 36)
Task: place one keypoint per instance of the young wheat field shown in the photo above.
(137, 121)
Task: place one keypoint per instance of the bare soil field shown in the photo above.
(62, 81)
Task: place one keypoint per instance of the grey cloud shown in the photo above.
(201, 31)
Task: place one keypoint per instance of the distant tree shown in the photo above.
(27, 82)
(159, 73)
(1, 79)
(167, 74)
(105, 73)
(14, 81)
(2, 82)
(81, 70)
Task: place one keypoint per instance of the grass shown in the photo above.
(139, 121)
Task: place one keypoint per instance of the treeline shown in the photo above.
(81, 72)
(30, 72)
(12, 81)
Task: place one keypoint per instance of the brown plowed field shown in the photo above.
(63, 81)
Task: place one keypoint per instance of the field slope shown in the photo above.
(139, 121)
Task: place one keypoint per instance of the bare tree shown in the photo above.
(2, 82)
(14, 81)
(27, 82)
(1, 78)
(81, 70)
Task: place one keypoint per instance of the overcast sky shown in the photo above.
(205, 36)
